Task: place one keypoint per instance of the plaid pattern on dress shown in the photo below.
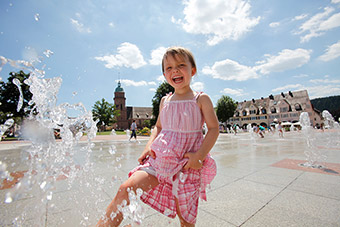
(182, 123)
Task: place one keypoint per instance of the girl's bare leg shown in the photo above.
(181, 219)
(140, 179)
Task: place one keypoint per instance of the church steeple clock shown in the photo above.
(119, 102)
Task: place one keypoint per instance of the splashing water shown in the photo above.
(21, 99)
(48, 53)
(329, 120)
(49, 161)
(128, 133)
(251, 132)
(331, 134)
(312, 152)
(3, 128)
(133, 210)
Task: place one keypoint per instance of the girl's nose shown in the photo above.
(175, 69)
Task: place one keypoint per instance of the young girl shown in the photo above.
(175, 166)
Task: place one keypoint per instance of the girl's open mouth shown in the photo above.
(178, 79)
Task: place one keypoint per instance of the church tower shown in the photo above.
(119, 102)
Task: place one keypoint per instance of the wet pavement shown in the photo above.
(259, 182)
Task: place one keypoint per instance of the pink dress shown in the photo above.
(181, 132)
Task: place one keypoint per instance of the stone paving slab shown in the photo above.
(254, 185)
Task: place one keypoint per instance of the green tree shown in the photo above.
(331, 103)
(105, 112)
(9, 97)
(225, 109)
(161, 91)
(147, 123)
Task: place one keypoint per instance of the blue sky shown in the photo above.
(243, 49)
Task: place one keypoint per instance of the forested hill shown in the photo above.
(332, 104)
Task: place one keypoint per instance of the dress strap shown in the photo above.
(197, 95)
(168, 95)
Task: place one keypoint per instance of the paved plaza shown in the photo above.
(259, 182)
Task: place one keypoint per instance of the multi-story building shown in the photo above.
(283, 107)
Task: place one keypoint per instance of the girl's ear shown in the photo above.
(193, 71)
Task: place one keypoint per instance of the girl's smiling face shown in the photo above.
(178, 71)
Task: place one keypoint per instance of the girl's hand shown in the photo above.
(194, 162)
(145, 155)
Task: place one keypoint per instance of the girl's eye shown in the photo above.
(169, 68)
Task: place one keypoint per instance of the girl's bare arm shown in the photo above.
(158, 127)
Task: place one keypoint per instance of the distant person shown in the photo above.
(235, 129)
(133, 129)
(322, 127)
(175, 166)
(261, 131)
(280, 130)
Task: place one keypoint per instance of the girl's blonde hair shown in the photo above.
(181, 52)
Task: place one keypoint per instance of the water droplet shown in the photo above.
(113, 215)
(49, 196)
(48, 53)
(37, 17)
(182, 177)
(139, 192)
(8, 198)
(43, 184)
(112, 149)
(167, 212)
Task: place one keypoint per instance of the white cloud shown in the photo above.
(335, 1)
(157, 56)
(285, 60)
(300, 17)
(323, 91)
(79, 26)
(161, 79)
(313, 91)
(319, 24)
(128, 83)
(128, 56)
(111, 24)
(230, 70)
(288, 88)
(274, 24)
(218, 19)
(197, 86)
(230, 91)
(152, 89)
(301, 76)
(332, 52)
(325, 81)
